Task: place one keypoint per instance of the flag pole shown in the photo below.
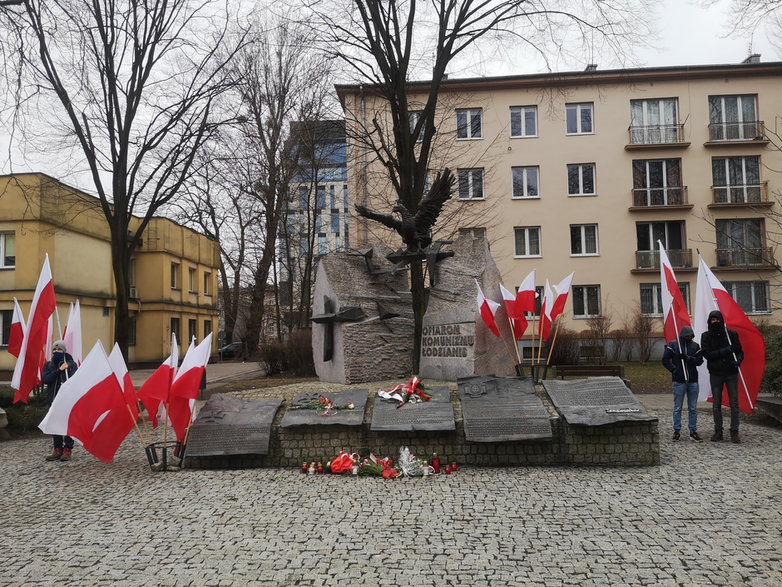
(553, 341)
(59, 326)
(135, 425)
(515, 343)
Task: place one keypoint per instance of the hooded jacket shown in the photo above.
(682, 356)
(53, 378)
(721, 347)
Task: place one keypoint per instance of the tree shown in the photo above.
(387, 44)
(134, 86)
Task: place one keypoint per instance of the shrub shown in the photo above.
(772, 378)
(293, 356)
(566, 348)
(272, 358)
(621, 345)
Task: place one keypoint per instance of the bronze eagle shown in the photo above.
(416, 230)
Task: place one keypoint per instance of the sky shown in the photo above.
(690, 34)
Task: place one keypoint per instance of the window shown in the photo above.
(527, 239)
(7, 249)
(207, 283)
(335, 221)
(653, 121)
(304, 198)
(736, 180)
(477, 232)
(581, 179)
(174, 275)
(322, 244)
(207, 328)
(191, 330)
(671, 234)
(586, 301)
(652, 301)
(320, 197)
(523, 121)
(579, 118)
(415, 116)
(175, 328)
(583, 239)
(657, 182)
(332, 196)
(751, 296)
(191, 279)
(6, 316)
(525, 182)
(470, 184)
(740, 241)
(468, 123)
(733, 118)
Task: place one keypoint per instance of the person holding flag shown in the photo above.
(682, 357)
(56, 372)
(724, 354)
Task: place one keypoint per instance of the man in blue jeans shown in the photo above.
(682, 357)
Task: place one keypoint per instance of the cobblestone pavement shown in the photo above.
(711, 514)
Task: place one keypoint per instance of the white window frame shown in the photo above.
(175, 275)
(581, 168)
(654, 121)
(472, 175)
(740, 123)
(415, 116)
(207, 280)
(656, 288)
(583, 228)
(469, 113)
(520, 112)
(732, 285)
(578, 107)
(581, 293)
(524, 171)
(3, 249)
(743, 192)
(192, 276)
(531, 233)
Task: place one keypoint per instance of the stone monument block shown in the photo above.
(362, 318)
(456, 343)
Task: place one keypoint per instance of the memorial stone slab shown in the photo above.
(502, 409)
(434, 415)
(308, 417)
(227, 425)
(595, 401)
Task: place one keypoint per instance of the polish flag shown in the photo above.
(518, 319)
(712, 295)
(525, 298)
(72, 334)
(84, 404)
(545, 312)
(16, 333)
(187, 382)
(488, 309)
(117, 362)
(673, 306)
(156, 390)
(27, 370)
(561, 291)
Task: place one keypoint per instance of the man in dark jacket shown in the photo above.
(681, 357)
(55, 373)
(722, 350)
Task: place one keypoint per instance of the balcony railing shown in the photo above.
(670, 196)
(659, 134)
(753, 130)
(651, 259)
(744, 257)
(741, 194)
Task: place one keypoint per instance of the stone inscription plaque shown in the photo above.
(502, 409)
(227, 425)
(447, 341)
(434, 415)
(595, 401)
(354, 417)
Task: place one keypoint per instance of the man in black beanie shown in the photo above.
(722, 350)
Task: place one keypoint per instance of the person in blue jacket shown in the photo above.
(682, 357)
(55, 373)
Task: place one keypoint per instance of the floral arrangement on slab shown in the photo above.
(413, 391)
(323, 403)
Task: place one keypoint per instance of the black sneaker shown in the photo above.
(734, 436)
(676, 435)
(694, 436)
(717, 436)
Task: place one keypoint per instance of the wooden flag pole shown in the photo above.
(553, 341)
(515, 343)
(135, 425)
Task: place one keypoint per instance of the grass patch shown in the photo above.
(649, 377)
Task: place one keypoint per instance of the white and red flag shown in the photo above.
(561, 291)
(525, 297)
(16, 332)
(712, 295)
(156, 390)
(518, 319)
(187, 382)
(487, 309)
(28, 365)
(674, 309)
(546, 306)
(87, 407)
(117, 362)
(72, 334)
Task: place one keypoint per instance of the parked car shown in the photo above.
(230, 351)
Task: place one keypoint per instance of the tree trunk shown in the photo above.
(120, 261)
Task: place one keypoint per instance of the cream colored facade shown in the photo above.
(611, 161)
(40, 215)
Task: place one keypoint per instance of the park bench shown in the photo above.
(562, 371)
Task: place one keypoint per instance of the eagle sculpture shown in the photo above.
(416, 230)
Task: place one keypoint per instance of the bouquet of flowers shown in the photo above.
(410, 465)
(376, 467)
(323, 403)
(413, 391)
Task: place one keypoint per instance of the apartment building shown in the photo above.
(585, 171)
(173, 274)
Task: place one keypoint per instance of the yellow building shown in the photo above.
(173, 273)
(585, 171)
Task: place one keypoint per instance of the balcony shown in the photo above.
(656, 136)
(680, 259)
(740, 195)
(743, 258)
(733, 133)
(655, 198)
